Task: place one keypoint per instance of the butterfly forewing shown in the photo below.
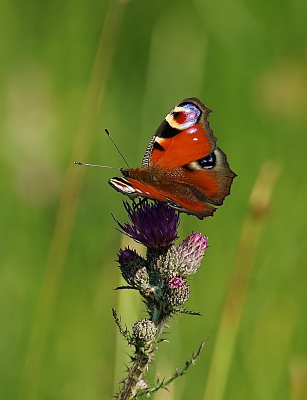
(184, 136)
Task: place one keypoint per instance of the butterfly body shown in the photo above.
(182, 165)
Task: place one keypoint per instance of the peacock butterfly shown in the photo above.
(182, 165)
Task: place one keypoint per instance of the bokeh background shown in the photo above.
(69, 69)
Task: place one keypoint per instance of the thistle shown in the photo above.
(162, 281)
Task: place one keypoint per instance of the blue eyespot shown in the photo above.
(207, 162)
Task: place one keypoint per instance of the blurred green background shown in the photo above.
(71, 69)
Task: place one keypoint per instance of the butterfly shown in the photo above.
(182, 165)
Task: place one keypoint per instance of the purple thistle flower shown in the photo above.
(152, 224)
(176, 291)
(127, 255)
(175, 282)
(130, 263)
(191, 252)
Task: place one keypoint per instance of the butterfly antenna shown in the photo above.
(110, 137)
(95, 165)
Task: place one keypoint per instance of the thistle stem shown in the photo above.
(132, 383)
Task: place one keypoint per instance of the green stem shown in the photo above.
(132, 383)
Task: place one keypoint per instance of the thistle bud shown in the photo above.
(167, 264)
(191, 252)
(129, 263)
(144, 330)
(176, 291)
(141, 280)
